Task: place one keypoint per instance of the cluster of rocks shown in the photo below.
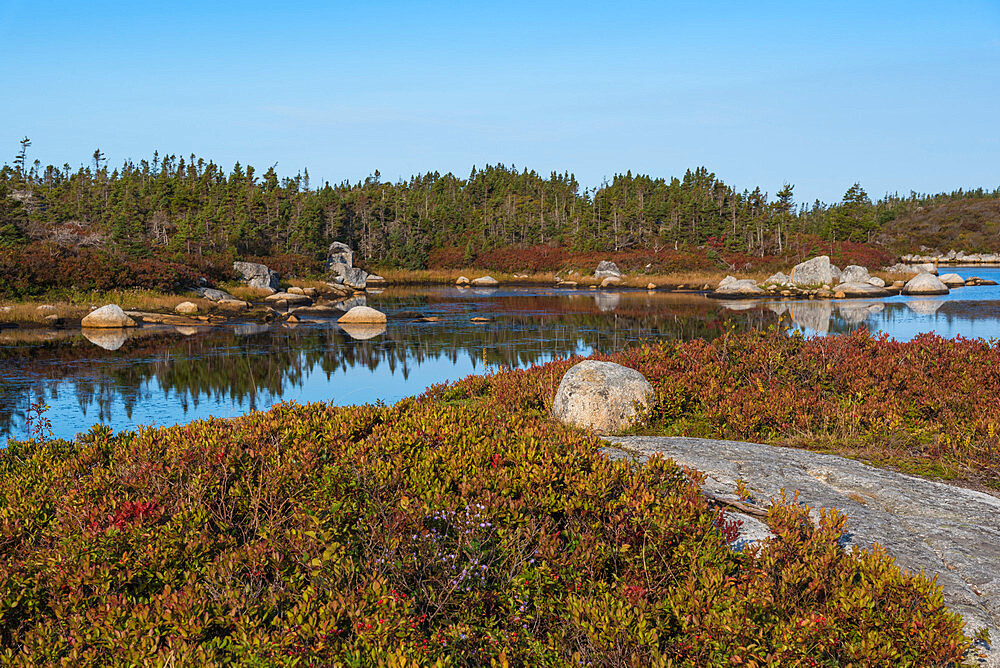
(340, 262)
(952, 257)
(818, 278)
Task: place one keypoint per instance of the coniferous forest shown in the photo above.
(194, 212)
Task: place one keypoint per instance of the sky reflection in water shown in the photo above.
(168, 376)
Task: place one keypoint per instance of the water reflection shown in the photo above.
(168, 375)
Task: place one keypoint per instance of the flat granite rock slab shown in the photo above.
(942, 530)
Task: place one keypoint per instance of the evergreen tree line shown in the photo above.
(189, 206)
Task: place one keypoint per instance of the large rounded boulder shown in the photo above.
(925, 284)
(107, 317)
(601, 396)
(362, 315)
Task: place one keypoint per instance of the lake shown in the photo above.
(171, 375)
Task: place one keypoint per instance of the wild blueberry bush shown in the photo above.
(459, 528)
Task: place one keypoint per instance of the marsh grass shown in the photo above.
(74, 305)
(692, 280)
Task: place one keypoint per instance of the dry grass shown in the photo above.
(76, 306)
(683, 280)
(244, 292)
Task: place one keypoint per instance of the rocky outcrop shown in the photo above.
(486, 282)
(948, 532)
(107, 317)
(256, 275)
(601, 396)
(925, 284)
(816, 271)
(606, 269)
(364, 315)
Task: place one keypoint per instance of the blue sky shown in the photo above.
(896, 95)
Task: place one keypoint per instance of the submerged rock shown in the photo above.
(601, 396)
(109, 317)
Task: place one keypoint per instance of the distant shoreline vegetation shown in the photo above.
(192, 211)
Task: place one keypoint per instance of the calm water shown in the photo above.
(166, 375)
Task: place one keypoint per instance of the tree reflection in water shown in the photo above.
(247, 367)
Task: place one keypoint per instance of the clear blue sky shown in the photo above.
(896, 95)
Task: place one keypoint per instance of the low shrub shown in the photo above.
(462, 527)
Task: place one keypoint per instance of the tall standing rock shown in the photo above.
(339, 253)
(340, 261)
(601, 396)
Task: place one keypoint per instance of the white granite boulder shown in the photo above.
(816, 271)
(107, 317)
(601, 397)
(925, 284)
